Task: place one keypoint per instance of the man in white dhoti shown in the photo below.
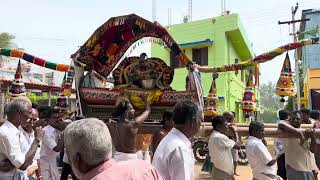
(52, 144)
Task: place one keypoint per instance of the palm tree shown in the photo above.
(6, 40)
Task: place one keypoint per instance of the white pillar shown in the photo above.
(49, 100)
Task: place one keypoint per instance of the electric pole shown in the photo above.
(190, 10)
(294, 34)
(154, 10)
(223, 7)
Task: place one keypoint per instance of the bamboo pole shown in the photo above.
(150, 128)
(268, 132)
(266, 125)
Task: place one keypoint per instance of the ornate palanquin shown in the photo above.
(105, 53)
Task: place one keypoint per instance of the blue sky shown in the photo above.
(54, 29)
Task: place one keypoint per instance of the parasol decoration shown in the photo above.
(285, 84)
(248, 103)
(62, 103)
(212, 104)
(17, 87)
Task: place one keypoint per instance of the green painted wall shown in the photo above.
(229, 43)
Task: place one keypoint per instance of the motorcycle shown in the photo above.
(201, 151)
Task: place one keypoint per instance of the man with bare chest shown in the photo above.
(125, 130)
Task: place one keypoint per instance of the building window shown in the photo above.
(174, 61)
(200, 56)
(236, 61)
(243, 75)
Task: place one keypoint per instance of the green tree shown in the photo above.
(268, 97)
(270, 103)
(289, 105)
(6, 40)
(41, 100)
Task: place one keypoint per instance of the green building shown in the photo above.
(213, 42)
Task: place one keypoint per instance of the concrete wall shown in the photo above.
(229, 43)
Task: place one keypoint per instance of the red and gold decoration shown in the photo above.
(107, 45)
(248, 103)
(62, 100)
(67, 82)
(265, 57)
(212, 108)
(113, 25)
(138, 103)
(285, 84)
(17, 87)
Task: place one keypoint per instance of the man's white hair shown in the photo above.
(90, 138)
(17, 105)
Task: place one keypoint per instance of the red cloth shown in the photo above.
(39, 61)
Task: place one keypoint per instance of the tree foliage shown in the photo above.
(268, 97)
(41, 100)
(270, 103)
(6, 40)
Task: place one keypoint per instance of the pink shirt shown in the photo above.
(125, 170)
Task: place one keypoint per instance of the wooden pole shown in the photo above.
(49, 100)
(266, 125)
(150, 128)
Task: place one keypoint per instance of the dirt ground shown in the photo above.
(243, 171)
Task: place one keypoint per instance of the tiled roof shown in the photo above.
(6, 82)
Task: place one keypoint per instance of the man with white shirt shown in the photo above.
(52, 144)
(230, 118)
(284, 116)
(173, 157)
(315, 115)
(261, 162)
(298, 151)
(220, 149)
(28, 135)
(18, 112)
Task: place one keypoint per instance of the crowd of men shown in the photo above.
(297, 157)
(31, 139)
